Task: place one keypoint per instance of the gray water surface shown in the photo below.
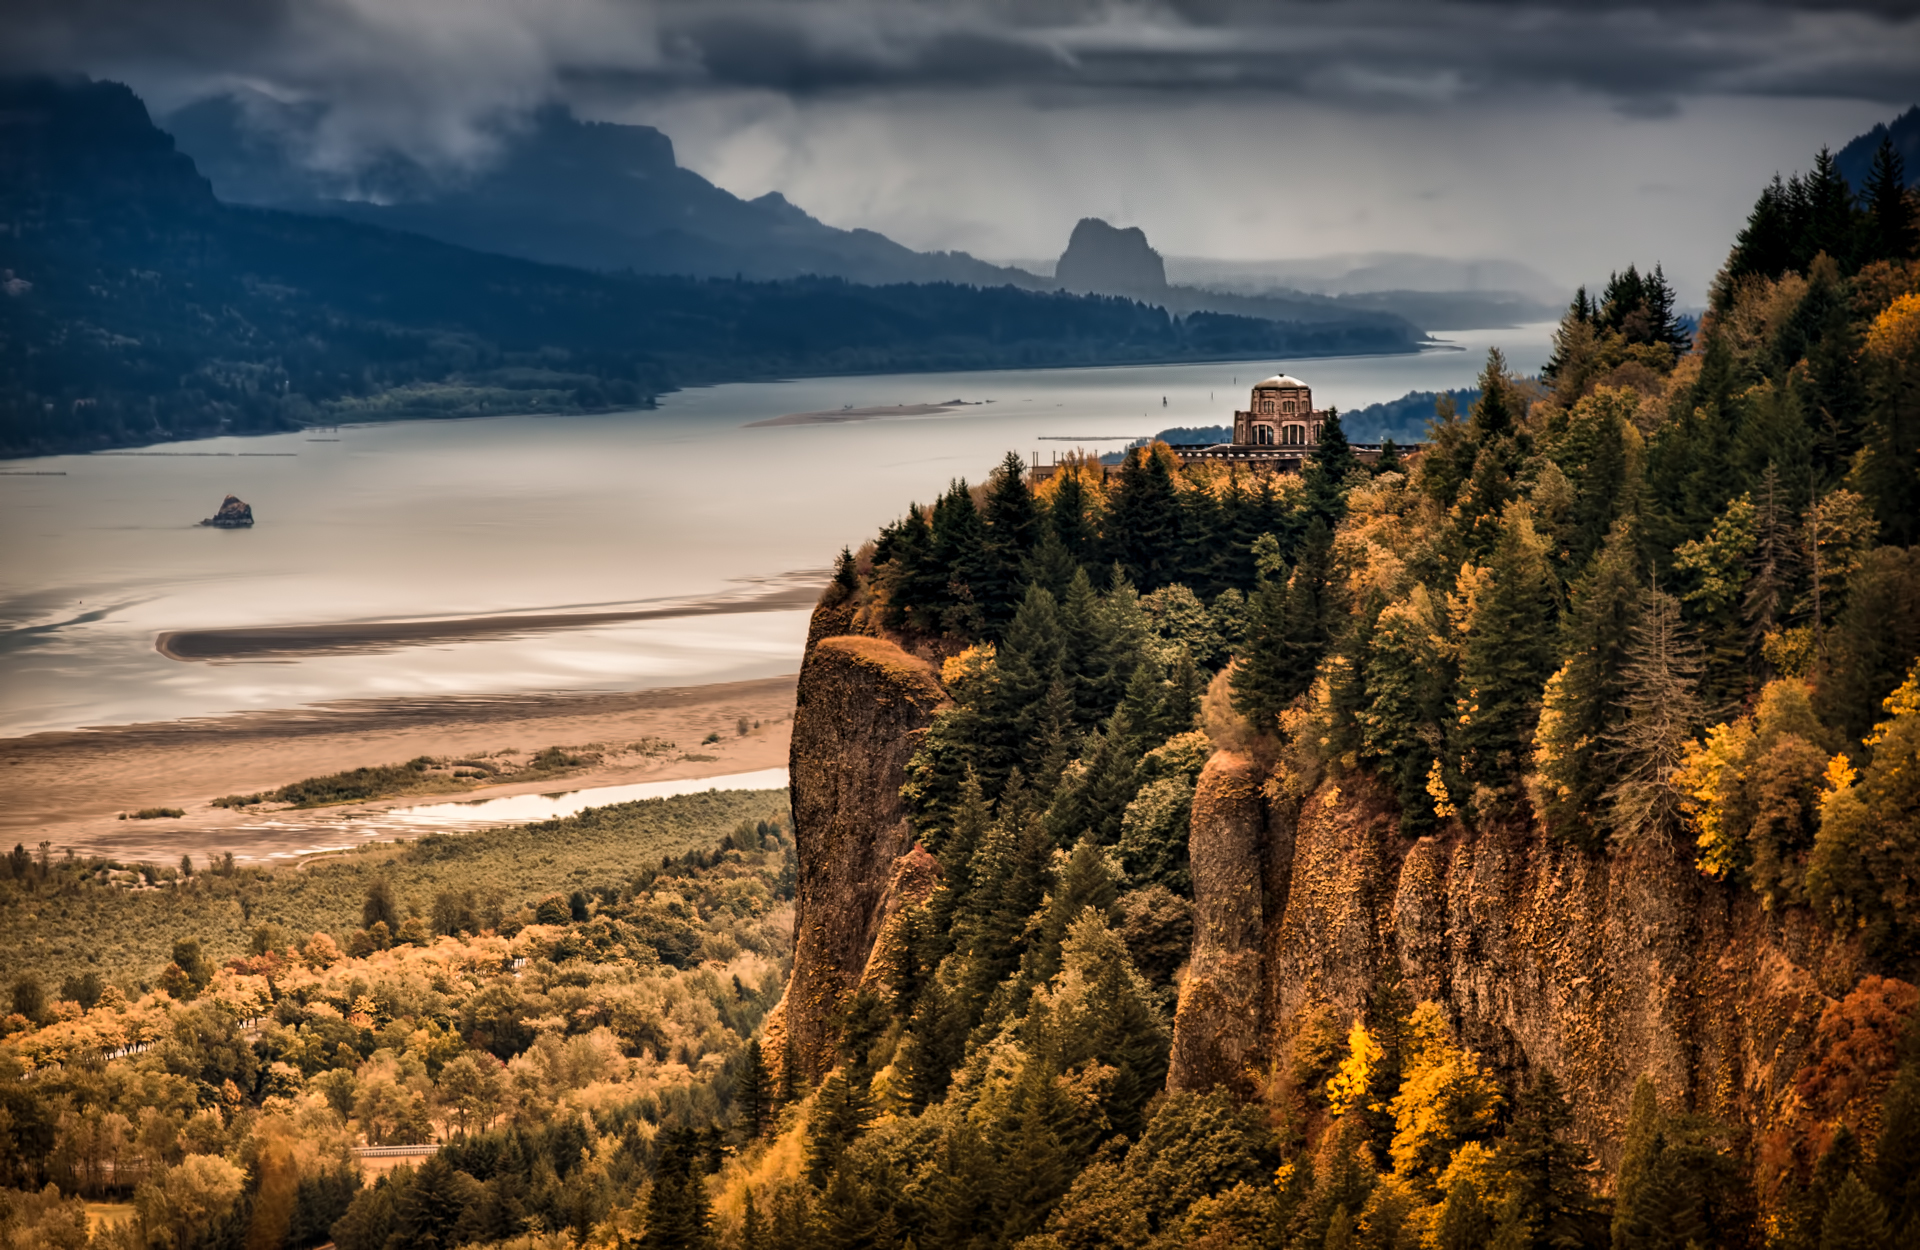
(535, 514)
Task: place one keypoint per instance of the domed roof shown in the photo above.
(1278, 381)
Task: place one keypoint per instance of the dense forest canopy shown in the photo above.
(1667, 595)
(137, 308)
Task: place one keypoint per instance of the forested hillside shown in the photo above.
(137, 308)
(1659, 608)
(1511, 846)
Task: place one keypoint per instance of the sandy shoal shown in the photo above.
(69, 788)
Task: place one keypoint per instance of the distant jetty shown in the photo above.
(233, 515)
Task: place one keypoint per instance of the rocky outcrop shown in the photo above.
(1220, 1027)
(862, 706)
(1600, 968)
(1107, 260)
(233, 515)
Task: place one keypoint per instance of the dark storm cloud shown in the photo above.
(1639, 54)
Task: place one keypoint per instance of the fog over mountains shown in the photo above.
(610, 197)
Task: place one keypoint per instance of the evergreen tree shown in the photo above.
(1550, 1198)
(1464, 1222)
(1504, 663)
(959, 550)
(1855, 1219)
(1012, 526)
(1262, 685)
(1830, 212)
(1775, 553)
(1071, 520)
(679, 1215)
(1660, 709)
(1895, 1179)
(750, 1095)
(1143, 520)
(1768, 245)
(1389, 461)
(843, 1112)
(1031, 659)
(1327, 470)
(965, 1188)
(753, 1232)
(1890, 232)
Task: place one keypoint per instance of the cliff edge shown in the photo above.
(862, 707)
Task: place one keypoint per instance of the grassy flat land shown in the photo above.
(75, 921)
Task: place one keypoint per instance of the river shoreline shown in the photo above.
(69, 788)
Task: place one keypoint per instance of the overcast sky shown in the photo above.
(1574, 136)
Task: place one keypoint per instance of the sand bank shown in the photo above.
(261, 642)
(69, 788)
(838, 416)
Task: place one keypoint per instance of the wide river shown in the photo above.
(436, 519)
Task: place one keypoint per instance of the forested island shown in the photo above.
(1511, 846)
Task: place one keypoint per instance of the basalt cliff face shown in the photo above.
(862, 706)
(1601, 969)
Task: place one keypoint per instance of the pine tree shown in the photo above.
(842, 1113)
(1895, 1179)
(1504, 664)
(964, 1190)
(1767, 245)
(1831, 225)
(679, 1215)
(1069, 516)
(1464, 1223)
(959, 552)
(1855, 1219)
(753, 1232)
(1143, 520)
(1890, 232)
(1775, 553)
(1012, 526)
(750, 1095)
(1550, 1198)
(1261, 679)
(1389, 461)
(1660, 711)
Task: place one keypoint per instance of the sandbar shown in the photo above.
(257, 642)
(839, 415)
(69, 787)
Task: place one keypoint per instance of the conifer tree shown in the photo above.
(1550, 1198)
(750, 1095)
(843, 1112)
(1143, 520)
(679, 1215)
(1261, 685)
(1464, 1223)
(1389, 461)
(965, 1190)
(1012, 523)
(1504, 663)
(1855, 1219)
(1070, 518)
(1890, 231)
(1775, 553)
(959, 551)
(1660, 710)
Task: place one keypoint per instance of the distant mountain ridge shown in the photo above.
(138, 308)
(1856, 158)
(593, 195)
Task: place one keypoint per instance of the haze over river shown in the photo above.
(526, 515)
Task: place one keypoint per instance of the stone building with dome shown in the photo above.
(1280, 414)
(1278, 431)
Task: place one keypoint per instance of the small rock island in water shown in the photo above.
(233, 515)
